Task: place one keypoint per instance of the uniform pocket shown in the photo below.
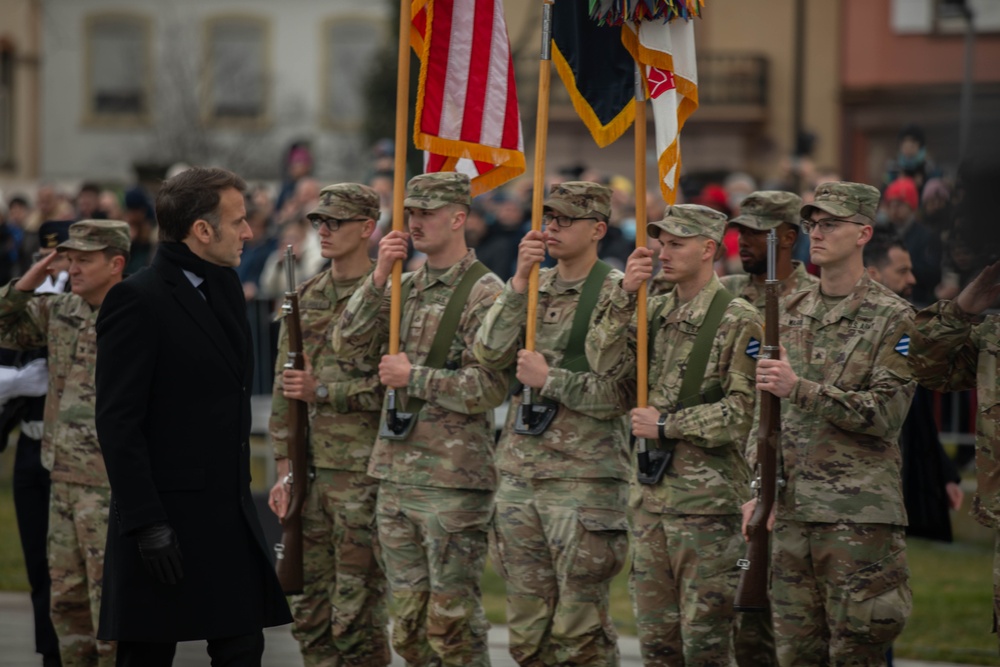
(465, 536)
(601, 544)
(879, 600)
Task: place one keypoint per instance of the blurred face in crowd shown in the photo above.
(899, 211)
(896, 273)
(843, 239)
(87, 203)
(682, 258)
(226, 245)
(17, 214)
(433, 230)
(569, 243)
(48, 200)
(92, 274)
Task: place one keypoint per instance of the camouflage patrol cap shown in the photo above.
(690, 220)
(89, 235)
(53, 232)
(843, 199)
(580, 199)
(346, 200)
(431, 191)
(766, 209)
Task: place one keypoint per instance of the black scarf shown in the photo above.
(225, 293)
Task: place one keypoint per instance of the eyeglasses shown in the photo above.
(562, 220)
(825, 226)
(332, 224)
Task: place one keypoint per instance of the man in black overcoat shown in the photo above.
(186, 557)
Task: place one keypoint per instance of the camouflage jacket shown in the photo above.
(64, 323)
(342, 426)
(451, 445)
(743, 286)
(840, 425)
(952, 351)
(709, 474)
(588, 437)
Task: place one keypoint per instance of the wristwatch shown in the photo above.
(660, 423)
(322, 392)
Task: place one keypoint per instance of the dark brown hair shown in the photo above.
(192, 195)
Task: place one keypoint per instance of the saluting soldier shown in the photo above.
(956, 347)
(340, 618)
(560, 531)
(434, 453)
(685, 501)
(761, 212)
(839, 588)
(97, 251)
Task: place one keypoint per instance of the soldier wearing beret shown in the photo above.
(560, 531)
(761, 212)
(97, 251)
(685, 526)
(839, 585)
(341, 616)
(435, 465)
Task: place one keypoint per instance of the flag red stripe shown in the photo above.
(479, 65)
(437, 67)
(435, 162)
(512, 118)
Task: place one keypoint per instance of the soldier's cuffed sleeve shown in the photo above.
(878, 409)
(726, 421)
(472, 388)
(364, 324)
(944, 348)
(501, 335)
(24, 319)
(610, 343)
(596, 396)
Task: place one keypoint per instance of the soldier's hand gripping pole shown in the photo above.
(751, 594)
(288, 553)
(534, 418)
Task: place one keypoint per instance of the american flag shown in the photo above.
(467, 117)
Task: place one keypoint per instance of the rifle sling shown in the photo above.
(690, 394)
(448, 326)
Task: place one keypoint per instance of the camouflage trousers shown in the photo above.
(341, 615)
(996, 586)
(432, 543)
(683, 582)
(558, 543)
(839, 592)
(78, 531)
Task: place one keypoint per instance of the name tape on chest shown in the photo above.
(903, 346)
(753, 348)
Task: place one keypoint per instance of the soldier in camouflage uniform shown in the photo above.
(560, 531)
(839, 582)
(955, 348)
(761, 212)
(685, 530)
(78, 510)
(435, 498)
(340, 618)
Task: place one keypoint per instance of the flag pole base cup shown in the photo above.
(534, 419)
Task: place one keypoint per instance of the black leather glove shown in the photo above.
(160, 552)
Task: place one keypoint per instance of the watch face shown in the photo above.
(322, 391)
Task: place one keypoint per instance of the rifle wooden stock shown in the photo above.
(751, 593)
(288, 561)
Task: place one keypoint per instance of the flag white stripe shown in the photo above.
(456, 80)
(495, 104)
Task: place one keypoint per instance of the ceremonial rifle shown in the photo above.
(288, 553)
(751, 594)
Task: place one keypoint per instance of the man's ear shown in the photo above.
(202, 231)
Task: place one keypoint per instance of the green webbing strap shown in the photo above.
(448, 326)
(690, 393)
(574, 356)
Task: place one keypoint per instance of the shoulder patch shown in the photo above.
(903, 346)
(753, 348)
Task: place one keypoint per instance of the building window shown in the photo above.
(6, 106)
(118, 67)
(237, 69)
(350, 46)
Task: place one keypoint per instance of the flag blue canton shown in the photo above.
(903, 346)
(753, 348)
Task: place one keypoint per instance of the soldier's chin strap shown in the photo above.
(398, 424)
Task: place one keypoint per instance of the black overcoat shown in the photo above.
(173, 420)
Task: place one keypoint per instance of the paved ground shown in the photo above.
(17, 644)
